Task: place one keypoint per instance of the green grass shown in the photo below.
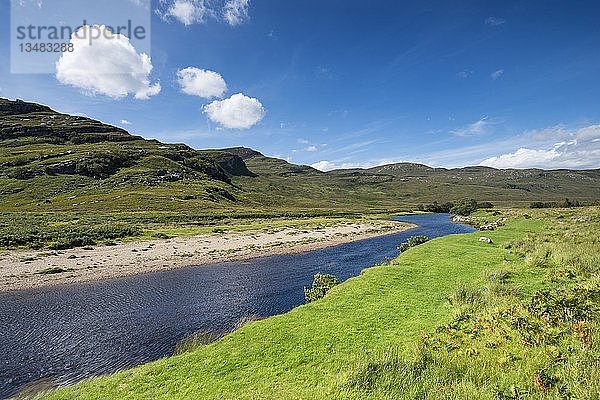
(392, 332)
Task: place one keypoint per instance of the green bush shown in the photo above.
(412, 242)
(321, 285)
(565, 305)
(556, 204)
(465, 207)
(436, 207)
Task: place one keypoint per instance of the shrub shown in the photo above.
(436, 207)
(540, 204)
(320, 286)
(556, 204)
(412, 242)
(465, 207)
(565, 305)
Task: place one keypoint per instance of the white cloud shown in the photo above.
(475, 129)
(312, 148)
(188, 12)
(497, 74)
(589, 133)
(108, 65)
(326, 165)
(576, 149)
(125, 122)
(553, 147)
(200, 82)
(236, 112)
(494, 21)
(235, 12)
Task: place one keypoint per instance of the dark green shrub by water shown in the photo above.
(412, 242)
(321, 285)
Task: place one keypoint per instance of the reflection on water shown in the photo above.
(63, 334)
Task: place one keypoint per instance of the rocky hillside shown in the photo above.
(57, 162)
(46, 155)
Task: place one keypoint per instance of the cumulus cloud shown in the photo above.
(312, 148)
(188, 12)
(236, 112)
(497, 74)
(108, 65)
(235, 12)
(576, 149)
(475, 129)
(201, 82)
(125, 122)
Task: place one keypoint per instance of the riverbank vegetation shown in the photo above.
(412, 242)
(322, 283)
(451, 318)
(59, 231)
(465, 207)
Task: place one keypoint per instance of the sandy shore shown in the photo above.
(25, 269)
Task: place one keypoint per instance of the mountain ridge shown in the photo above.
(48, 157)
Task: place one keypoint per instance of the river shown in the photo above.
(60, 335)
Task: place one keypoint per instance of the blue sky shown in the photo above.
(352, 83)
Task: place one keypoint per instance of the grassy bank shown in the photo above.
(452, 318)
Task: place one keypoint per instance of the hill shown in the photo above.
(50, 159)
(71, 175)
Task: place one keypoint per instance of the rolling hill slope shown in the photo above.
(56, 162)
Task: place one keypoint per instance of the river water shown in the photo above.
(63, 334)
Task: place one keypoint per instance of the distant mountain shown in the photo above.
(57, 162)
